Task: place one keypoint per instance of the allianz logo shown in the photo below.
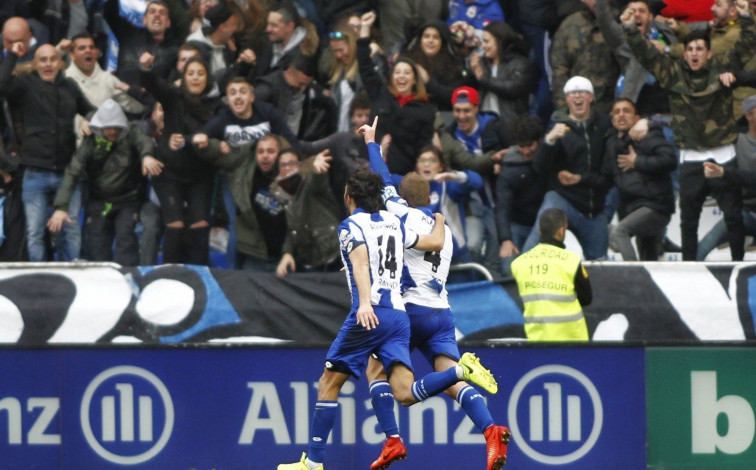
(127, 415)
(555, 414)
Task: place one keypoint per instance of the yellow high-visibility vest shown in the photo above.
(545, 279)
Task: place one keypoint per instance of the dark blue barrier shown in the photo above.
(234, 408)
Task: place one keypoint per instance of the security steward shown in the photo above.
(553, 285)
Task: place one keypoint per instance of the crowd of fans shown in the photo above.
(147, 130)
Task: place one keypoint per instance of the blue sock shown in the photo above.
(383, 404)
(475, 406)
(322, 423)
(434, 383)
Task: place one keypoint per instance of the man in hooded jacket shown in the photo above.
(115, 157)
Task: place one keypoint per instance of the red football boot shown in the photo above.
(393, 449)
(497, 438)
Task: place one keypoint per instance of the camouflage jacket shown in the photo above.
(580, 49)
(701, 106)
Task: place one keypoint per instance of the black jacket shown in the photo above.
(181, 117)
(48, 111)
(410, 126)
(319, 112)
(580, 151)
(133, 41)
(519, 193)
(649, 184)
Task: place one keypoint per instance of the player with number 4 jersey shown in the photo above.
(431, 320)
(372, 244)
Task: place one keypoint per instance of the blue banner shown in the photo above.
(240, 408)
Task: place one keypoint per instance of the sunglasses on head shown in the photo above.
(336, 35)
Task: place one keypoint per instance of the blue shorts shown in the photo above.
(433, 332)
(389, 341)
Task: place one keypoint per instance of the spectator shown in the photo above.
(394, 14)
(312, 215)
(212, 39)
(149, 213)
(402, 104)
(449, 192)
(505, 74)
(48, 103)
(114, 157)
(538, 21)
(694, 90)
(185, 186)
(242, 122)
(579, 49)
(635, 83)
(97, 84)
(309, 113)
(724, 30)
(287, 33)
(15, 30)
(260, 218)
(479, 133)
(572, 161)
(156, 38)
(13, 227)
(642, 177)
(347, 149)
(437, 62)
(215, 43)
(519, 191)
(343, 77)
(553, 284)
(744, 174)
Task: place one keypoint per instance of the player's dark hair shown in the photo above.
(365, 188)
(550, 222)
(415, 189)
(527, 129)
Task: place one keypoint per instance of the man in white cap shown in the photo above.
(744, 175)
(571, 160)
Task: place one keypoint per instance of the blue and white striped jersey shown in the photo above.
(425, 272)
(385, 239)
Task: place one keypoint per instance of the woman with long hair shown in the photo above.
(185, 186)
(440, 68)
(402, 104)
(338, 66)
(505, 74)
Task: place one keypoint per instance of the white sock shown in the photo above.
(460, 372)
(312, 465)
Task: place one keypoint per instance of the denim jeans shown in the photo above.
(591, 233)
(718, 234)
(39, 188)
